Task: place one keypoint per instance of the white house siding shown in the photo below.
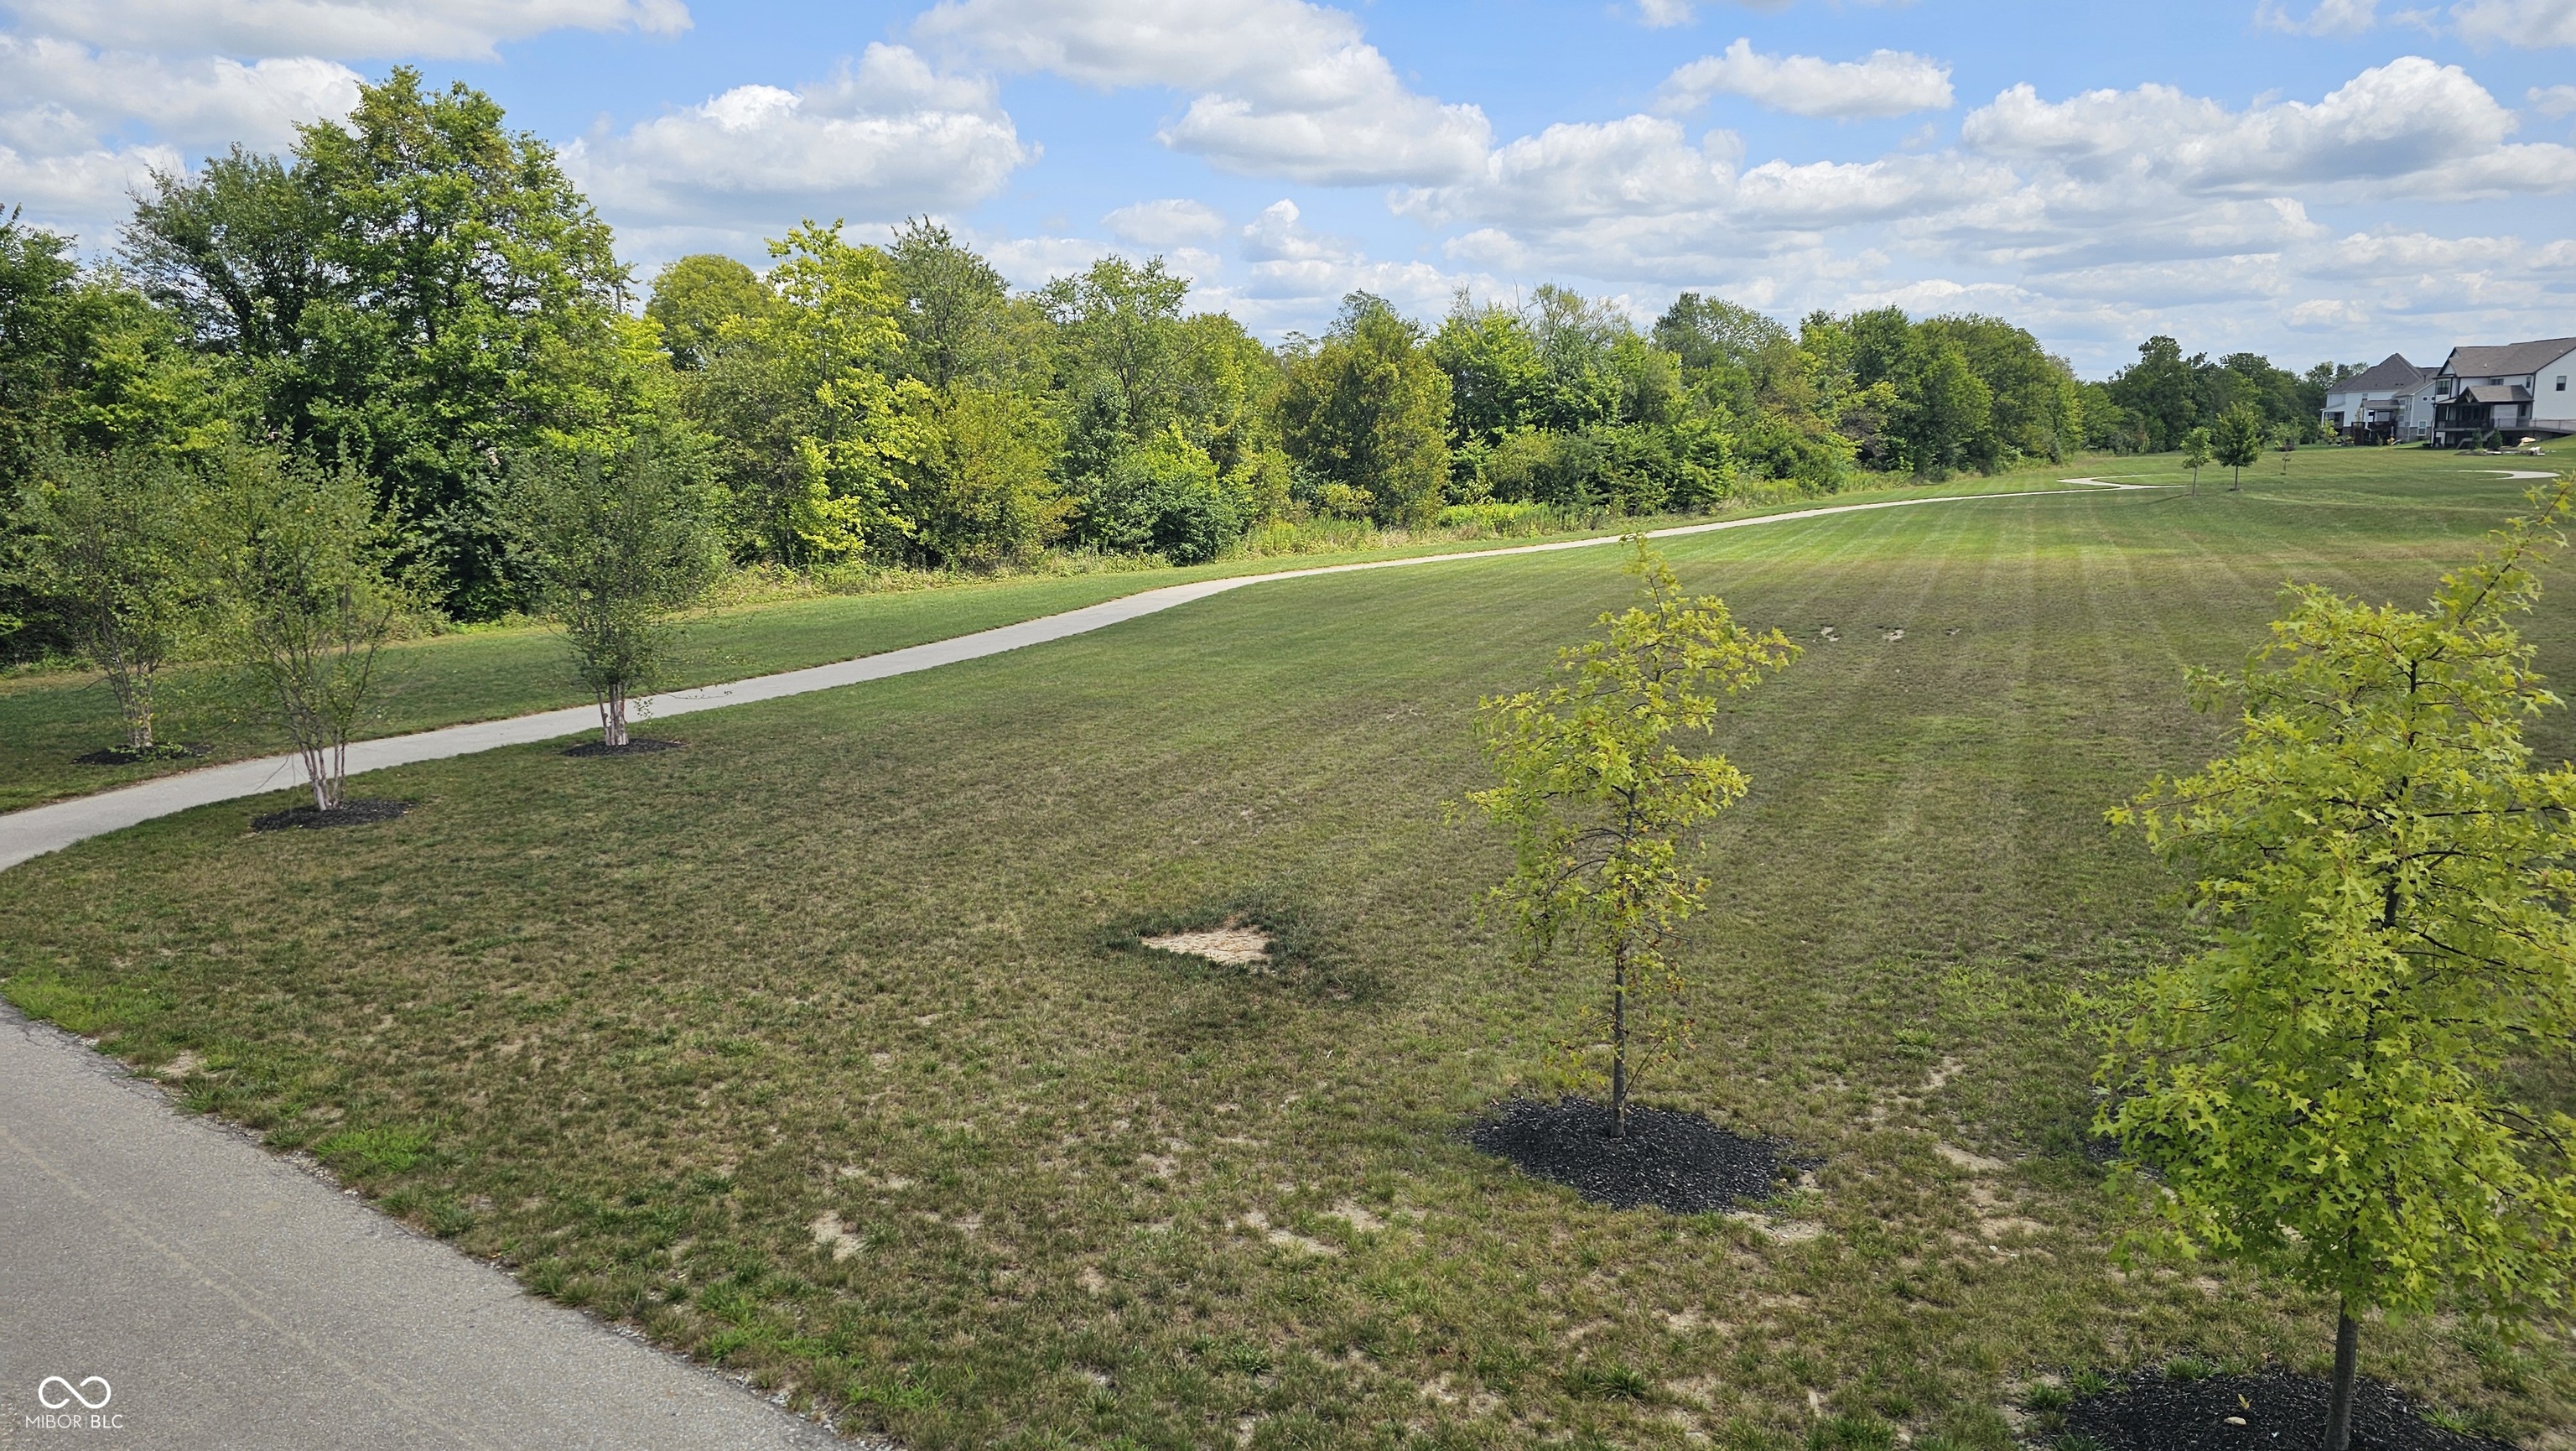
(2553, 396)
(2417, 424)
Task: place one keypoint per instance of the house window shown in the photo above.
(2562, 382)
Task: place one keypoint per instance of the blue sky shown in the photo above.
(2306, 178)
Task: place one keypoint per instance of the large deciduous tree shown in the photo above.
(694, 297)
(87, 364)
(420, 290)
(1603, 799)
(2330, 1090)
(1368, 408)
(956, 318)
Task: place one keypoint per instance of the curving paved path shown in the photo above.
(225, 1297)
(40, 829)
(222, 1296)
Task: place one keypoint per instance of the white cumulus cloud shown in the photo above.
(2329, 17)
(344, 29)
(68, 114)
(2328, 314)
(1277, 87)
(1294, 268)
(2411, 126)
(75, 94)
(2374, 254)
(886, 138)
(1167, 222)
(2520, 23)
(1885, 83)
(81, 191)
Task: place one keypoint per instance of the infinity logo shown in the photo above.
(71, 1393)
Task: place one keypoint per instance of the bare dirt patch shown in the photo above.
(1234, 944)
(831, 1234)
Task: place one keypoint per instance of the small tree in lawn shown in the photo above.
(2325, 1091)
(105, 540)
(298, 559)
(1602, 800)
(618, 542)
(2195, 455)
(2238, 441)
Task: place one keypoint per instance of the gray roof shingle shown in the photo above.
(2510, 358)
(2392, 375)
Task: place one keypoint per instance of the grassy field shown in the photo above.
(48, 720)
(817, 1049)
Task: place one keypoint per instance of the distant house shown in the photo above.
(2515, 390)
(2376, 405)
(2419, 410)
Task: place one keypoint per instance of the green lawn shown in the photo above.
(811, 1050)
(47, 720)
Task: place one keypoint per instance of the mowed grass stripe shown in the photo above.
(46, 720)
(637, 1022)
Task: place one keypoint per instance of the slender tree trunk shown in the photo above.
(1619, 1040)
(134, 700)
(612, 717)
(318, 772)
(132, 687)
(2347, 1357)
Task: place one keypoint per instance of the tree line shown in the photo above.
(419, 294)
(2154, 404)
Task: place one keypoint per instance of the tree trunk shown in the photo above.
(2347, 1356)
(317, 771)
(1619, 1041)
(612, 717)
(133, 691)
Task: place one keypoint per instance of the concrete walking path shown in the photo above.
(40, 829)
(166, 1282)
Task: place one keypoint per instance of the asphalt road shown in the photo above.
(203, 1293)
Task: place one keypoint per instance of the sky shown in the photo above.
(2309, 179)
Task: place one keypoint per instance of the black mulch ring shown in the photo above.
(348, 813)
(635, 746)
(1678, 1162)
(128, 756)
(2281, 1411)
